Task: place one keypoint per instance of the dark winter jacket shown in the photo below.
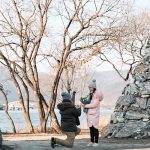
(68, 113)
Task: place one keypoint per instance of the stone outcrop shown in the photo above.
(131, 117)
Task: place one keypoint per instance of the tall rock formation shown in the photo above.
(131, 117)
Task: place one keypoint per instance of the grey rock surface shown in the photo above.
(131, 116)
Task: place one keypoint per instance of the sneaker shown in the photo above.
(95, 145)
(90, 144)
(53, 142)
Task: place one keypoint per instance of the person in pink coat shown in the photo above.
(93, 113)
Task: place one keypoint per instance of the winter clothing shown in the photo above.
(66, 96)
(73, 101)
(93, 84)
(68, 114)
(94, 134)
(93, 115)
(94, 110)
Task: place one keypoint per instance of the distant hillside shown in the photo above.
(111, 85)
(108, 82)
(8, 85)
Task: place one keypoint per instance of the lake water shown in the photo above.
(20, 124)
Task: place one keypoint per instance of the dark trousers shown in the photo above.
(94, 133)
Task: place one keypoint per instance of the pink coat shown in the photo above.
(94, 110)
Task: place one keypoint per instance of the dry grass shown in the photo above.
(104, 121)
(36, 130)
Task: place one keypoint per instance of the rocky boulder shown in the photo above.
(131, 116)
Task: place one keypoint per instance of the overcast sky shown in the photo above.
(142, 4)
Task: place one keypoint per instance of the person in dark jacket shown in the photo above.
(69, 114)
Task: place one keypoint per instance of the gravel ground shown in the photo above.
(80, 144)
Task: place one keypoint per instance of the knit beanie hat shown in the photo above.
(65, 96)
(93, 84)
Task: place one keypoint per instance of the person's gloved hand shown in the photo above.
(78, 106)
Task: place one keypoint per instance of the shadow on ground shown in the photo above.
(4, 147)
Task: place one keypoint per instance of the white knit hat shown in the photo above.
(93, 84)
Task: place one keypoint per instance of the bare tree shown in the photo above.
(86, 28)
(6, 108)
(20, 41)
(127, 48)
(14, 76)
(86, 25)
(75, 76)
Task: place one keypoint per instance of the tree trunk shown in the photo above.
(18, 88)
(11, 121)
(6, 111)
(41, 113)
(43, 126)
(26, 111)
(54, 124)
(29, 124)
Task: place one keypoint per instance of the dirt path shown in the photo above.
(41, 142)
(79, 145)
